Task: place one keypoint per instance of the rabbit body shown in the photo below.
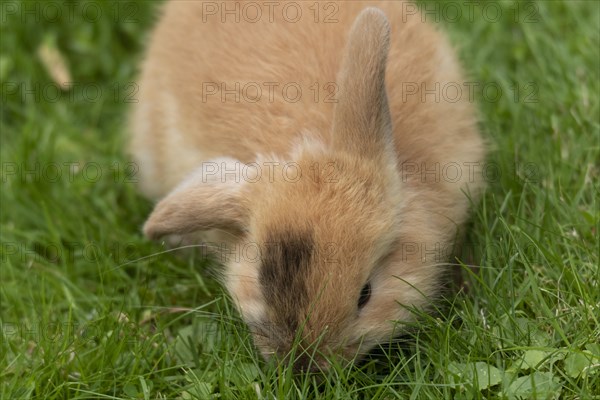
(336, 135)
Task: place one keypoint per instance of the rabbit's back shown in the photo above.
(212, 87)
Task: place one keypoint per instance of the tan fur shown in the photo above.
(364, 213)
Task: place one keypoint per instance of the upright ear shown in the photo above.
(207, 199)
(361, 121)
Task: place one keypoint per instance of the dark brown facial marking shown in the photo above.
(285, 265)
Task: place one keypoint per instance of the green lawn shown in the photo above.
(91, 309)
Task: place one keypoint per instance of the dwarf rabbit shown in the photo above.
(321, 137)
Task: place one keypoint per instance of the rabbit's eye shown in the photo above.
(365, 295)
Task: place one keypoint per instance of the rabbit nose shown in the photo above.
(311, 364)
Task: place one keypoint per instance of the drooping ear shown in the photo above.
(209, 198)
(361, 121)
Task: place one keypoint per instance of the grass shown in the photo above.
(87, 314)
